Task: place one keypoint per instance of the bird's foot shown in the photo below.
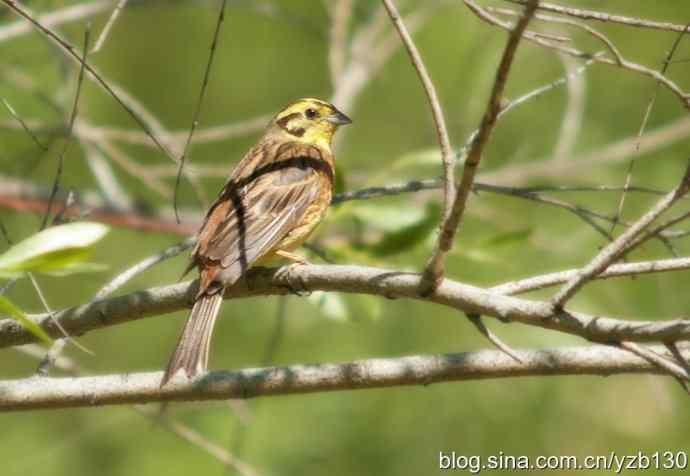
(293, 281)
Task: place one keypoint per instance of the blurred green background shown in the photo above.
(271, 52)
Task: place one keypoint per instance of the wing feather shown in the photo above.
(265, 198)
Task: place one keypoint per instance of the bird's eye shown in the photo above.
(311, 113)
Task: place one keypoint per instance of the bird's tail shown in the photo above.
(191, 353)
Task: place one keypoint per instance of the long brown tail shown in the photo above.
(191, 353)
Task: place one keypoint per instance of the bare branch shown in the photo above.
(662, 362)
(24, 125)
(617, 151)
(197, 439)
(197, 111)
(452, 217)
(614, 271)
(121, 279)
(58, 17)
(435, 266)
(32, 394)
(606, 17)
(477, 321)
(620, 245)
(108, 26)
(115, 92)
(351, 279)
(682, 96)
(643, 126)
(70, 130)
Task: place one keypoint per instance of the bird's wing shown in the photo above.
(264, 199)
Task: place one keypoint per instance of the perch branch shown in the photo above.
(351, 279)
(36, 393)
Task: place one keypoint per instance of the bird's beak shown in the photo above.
(338, 118)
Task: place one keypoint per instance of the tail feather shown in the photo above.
(191, 353)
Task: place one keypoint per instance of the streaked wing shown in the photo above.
(260, 205)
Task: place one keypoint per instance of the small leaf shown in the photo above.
(331, 304)
(406, 237)
(387, 217)
(508, 238)
(6, 306)
(54, 249)
(429, 156)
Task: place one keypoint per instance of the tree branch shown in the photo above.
(622, 244)
(36, 393)
(606, 17)
(350, 279)
(435, 266)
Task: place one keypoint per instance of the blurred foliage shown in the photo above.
(270, 53)
(58, 251)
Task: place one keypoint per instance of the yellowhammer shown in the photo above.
(273, 200)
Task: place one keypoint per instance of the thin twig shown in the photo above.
(59, 17)
(476, 320)
(435, 265)
(122, 278)
(617, 151)
(434, 269)
(682, 96)
(108, 26)
(614, 271)
(606, 17)
(56, 348)
(526, 97)
(197, 439)
(70, 130)
(71, 52)
(664, 363)
(197, 111)
(622, 244)
(643, 126)
(24, 125)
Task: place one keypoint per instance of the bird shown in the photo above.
(272, 201)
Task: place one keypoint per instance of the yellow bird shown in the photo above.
(272, 201)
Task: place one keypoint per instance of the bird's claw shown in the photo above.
(294, 283)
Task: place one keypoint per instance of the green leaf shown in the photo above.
(387, 217)
(430, 156)
(332, 305)
(7, 307)
(55, 249)
(406, 237)
(508, 238)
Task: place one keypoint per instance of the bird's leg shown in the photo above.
(286, 272)
(296, 259)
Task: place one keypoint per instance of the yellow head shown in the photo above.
(310, 120)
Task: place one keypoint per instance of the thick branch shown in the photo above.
(351, 279)
(35, 393)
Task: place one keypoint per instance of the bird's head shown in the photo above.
(310, 120)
